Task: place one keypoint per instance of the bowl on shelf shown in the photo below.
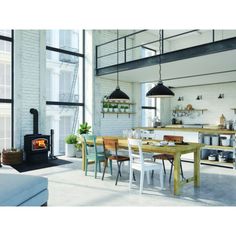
(225, 142)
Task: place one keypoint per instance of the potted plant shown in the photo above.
(115, 108)
(126, 108)
(71, 141)
(110, 107)
(105, 106)
(83, 129)
(122, 108)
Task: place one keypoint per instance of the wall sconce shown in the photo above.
(180, 98)
(221, 95)
(199, 97)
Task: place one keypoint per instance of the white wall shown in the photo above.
(110, 124)
(209, 101)
(29, 86)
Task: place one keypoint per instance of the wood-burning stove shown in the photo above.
(36, 146)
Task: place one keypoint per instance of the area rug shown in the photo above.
(23, 167)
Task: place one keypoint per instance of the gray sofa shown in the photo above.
(18, 189)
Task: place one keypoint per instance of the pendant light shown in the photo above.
(117, 94)
(160, 91)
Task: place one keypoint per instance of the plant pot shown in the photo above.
(70, 150)
(122, 110)
(105, 109)
(78, 153)
(110, 109)
(116, 109)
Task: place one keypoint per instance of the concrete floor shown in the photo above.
(68, 186)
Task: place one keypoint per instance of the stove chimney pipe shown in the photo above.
(35, 120)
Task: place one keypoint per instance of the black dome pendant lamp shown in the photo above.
(117, 94)
(159, 91)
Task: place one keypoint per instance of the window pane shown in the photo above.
(5, 69)
(5, 33)
(71, 40)
(64, 120)
(64, 76)
(5, 125)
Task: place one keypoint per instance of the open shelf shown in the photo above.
(217, 163)
(117, 113)
(220, 148)
(126, 103)
(193, 110)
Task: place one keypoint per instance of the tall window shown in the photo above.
(150, 106)
(65, 84)
(6, 92)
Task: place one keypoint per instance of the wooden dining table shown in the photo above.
(177, 150)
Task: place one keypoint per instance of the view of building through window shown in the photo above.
(5, 88)
(150, 106)
(65, 84)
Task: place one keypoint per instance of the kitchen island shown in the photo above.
(199, 135)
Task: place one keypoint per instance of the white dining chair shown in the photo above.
(137, 162)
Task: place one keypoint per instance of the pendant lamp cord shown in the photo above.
(160, 52)
(117, 77)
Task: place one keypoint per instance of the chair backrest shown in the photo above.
(110, 144)
(174, 138)
(135, 145)
(90, 148)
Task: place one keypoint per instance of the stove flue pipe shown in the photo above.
(35, 120)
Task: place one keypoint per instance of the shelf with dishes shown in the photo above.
(117, 107)
(219, 150)
(189, 110)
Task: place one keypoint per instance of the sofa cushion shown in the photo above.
(15, 189)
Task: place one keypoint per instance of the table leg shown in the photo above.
(177, 174)
(197, 168)
(83, 156)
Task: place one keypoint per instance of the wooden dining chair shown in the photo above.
(137, 162)
(111, 144)
(168, 157)
(91, 153)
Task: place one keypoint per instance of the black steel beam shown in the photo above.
(55, 103)
(186, 53)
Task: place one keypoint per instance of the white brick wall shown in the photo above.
(110, 124)
(29, 85)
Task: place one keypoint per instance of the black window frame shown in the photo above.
(10, 100)
(79, 55)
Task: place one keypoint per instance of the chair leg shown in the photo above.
(161, 178)
(181, 170)
(110, 163)
(131, 173)
(164, 168)
(141, 181)
(134, 176)
(99, 166)
(119, 169)
(105, 166)
(86, 167)
(118, 172)
(171, 169)
(148, 177)
(96, 164)
(153, 170)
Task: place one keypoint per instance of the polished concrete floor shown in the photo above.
(68, 186)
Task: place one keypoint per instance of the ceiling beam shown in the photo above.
(186, 53)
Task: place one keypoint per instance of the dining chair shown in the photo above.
(111, 144)
(91, 153)
(137, 162)
(168, 157)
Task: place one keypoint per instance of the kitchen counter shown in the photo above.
(199, 130)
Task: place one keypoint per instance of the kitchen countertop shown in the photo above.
(199, 130)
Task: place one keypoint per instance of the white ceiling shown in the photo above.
(199, 65)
